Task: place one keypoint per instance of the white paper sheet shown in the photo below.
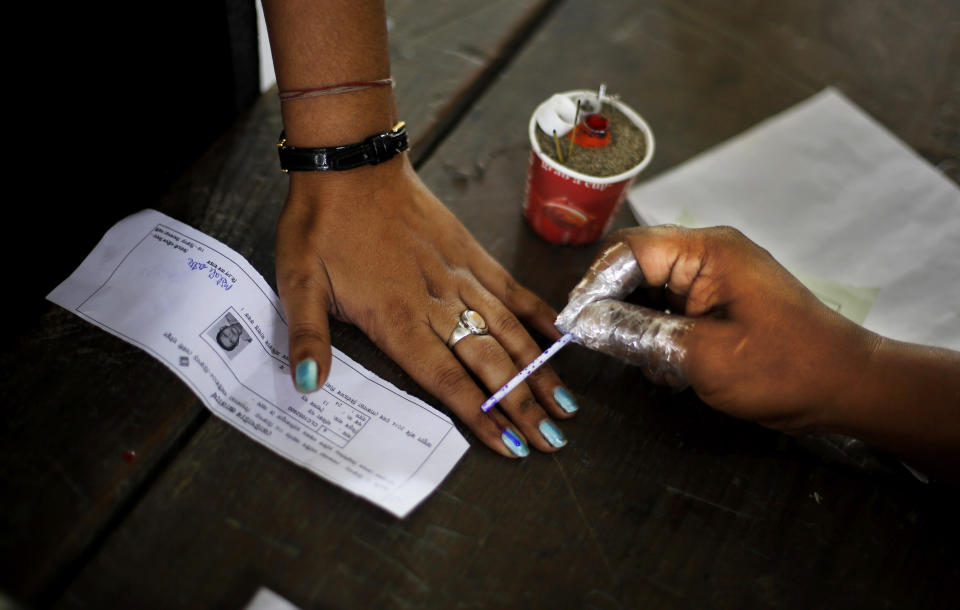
(859, 217)
(265, 599)
(170, 290)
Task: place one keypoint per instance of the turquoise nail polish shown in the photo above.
(552, 433)
(307, 375)
(514, 443)
(565, 400)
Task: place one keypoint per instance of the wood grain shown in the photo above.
(657, 501)
(76, 400)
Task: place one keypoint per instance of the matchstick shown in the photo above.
(556, 142)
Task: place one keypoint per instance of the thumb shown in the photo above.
(305, 300)
(613, 275)
(650, 339)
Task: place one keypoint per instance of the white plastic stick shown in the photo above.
(526, 372)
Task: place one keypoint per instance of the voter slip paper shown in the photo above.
(225, 337)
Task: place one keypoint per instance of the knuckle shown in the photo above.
(508, 323)
(544, 309)
(433, 289)
(619, 235)
(729, 233)
(307, 332)
(510, 285)
(489, 351)
(527, 405)
(625, 237)
(542, 374)
(449, 380)
(292, 280)
(526, 304)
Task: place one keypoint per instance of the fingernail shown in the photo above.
(307, 375)
(552, 433)
(514, 443)
(565, 400)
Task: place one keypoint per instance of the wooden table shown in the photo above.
(657, 502)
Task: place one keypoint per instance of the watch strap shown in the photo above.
(371, 151)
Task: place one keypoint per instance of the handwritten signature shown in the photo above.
(213, 274)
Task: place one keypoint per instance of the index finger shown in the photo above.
(614, 274)
(435, 367)
(651, 339)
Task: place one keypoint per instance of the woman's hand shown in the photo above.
(373, 247)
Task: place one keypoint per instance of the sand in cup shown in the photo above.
(565, 206)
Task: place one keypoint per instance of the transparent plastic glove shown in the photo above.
(639, 335)
(635, 334)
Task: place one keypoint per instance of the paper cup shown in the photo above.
(566, 207)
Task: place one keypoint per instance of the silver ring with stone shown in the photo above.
(470, 323)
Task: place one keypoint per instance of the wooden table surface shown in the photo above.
(657, 502)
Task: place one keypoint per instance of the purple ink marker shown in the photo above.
(526, 372)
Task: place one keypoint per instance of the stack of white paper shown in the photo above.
(866, 223)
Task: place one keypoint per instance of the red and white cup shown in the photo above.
(566, 207)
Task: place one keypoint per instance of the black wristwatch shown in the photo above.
(375, 149)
